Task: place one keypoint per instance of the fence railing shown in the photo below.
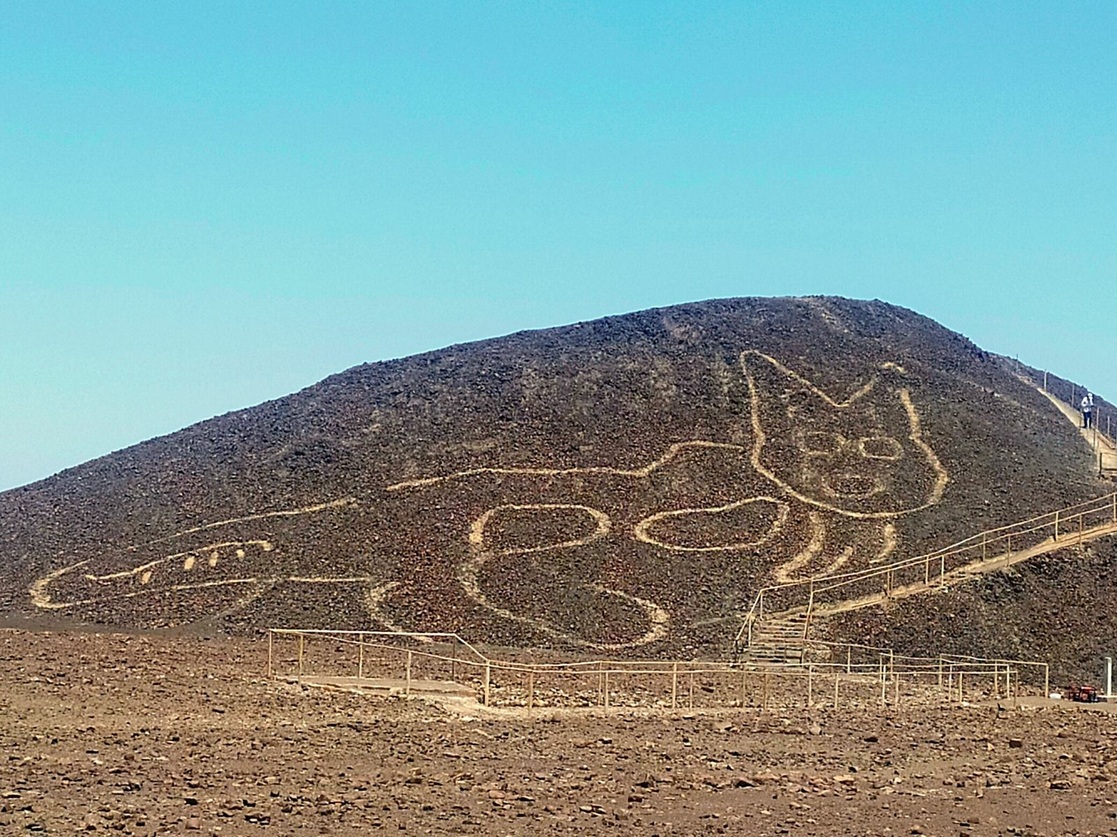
(854, 675)
(1103, 433)
(387, 656)
(819, 596)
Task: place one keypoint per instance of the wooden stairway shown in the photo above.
(781, 638)
(783, 635)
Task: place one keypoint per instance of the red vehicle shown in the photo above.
(1081, 694)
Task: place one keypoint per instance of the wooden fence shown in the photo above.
(411, 664)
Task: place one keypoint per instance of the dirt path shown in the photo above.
(774, 628)
(1099, 443)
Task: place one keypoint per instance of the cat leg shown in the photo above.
(488, 563)
(888, 541)
(375, 600)
(821, 556)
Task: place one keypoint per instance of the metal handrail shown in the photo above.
(981, 541)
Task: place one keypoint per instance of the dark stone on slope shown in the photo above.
(509, 489)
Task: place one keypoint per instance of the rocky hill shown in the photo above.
(621, 486)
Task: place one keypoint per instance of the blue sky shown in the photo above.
(207, 205)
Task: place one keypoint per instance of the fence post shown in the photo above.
(271, 634)
(810, 607)
(302, 643)
(1056, 537)
(407, 682)
(849, 659)
(984, 538)
(606, 685)
(837, 680)
(488, 680)
(360, 656)
(893, 675)
(675, 686)
(810, 685)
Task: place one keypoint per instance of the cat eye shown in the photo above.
(880, 447)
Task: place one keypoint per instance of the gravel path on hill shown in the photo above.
(1099, 443)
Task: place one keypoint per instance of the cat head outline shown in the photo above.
(861, 457)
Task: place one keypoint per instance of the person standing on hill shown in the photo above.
(1087, 409)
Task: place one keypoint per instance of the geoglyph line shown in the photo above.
(915, 435)
(888, 544)
(374, 601)
(672, 452)
(39, 590)
(603, 524)
(805, 383)
(332, 504)
(188, 562)
(785, 572)
(640, 532)
(469, 573)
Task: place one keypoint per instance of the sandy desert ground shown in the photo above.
(156, 734)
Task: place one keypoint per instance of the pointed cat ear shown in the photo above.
(765, 373)
(893, 375)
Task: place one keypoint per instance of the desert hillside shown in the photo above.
(622, 485)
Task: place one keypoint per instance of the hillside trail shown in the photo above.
(785, 635)
(1103, 447)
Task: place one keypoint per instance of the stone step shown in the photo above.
(761, 657)
(778, 629)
